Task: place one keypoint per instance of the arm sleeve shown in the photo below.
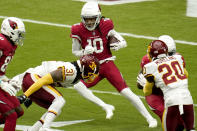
(185, 72)
(76, 48)
(45, 80)
(148, 88)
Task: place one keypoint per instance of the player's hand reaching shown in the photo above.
(22, 98)
(88, 50)
(115, 46)
(27, 102)
(8, 88)
(141, 79)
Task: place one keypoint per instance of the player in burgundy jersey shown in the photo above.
(12, 33)
(155, 100)
(91, 36)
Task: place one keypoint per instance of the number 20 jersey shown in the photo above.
(169, 75)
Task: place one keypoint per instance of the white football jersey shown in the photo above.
(169, 75)
(46, 67)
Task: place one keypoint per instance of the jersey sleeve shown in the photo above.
(148, 71)
(106, 25)
(75, 32)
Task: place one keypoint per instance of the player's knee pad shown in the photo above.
(57, 105)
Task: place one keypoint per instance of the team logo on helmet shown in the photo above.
(13, 24)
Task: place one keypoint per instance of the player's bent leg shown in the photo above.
(38, 124)
(53, 111)
(10, 122)
(188, 117)
(135, 100)
(86, 93)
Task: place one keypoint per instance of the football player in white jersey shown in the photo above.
(169, 74)
(38, 84)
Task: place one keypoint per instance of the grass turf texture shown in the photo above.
(45, 42)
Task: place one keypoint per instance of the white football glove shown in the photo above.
(15, 84)
(117, 45)
(8, 88)
(88, 50)
(141, 79)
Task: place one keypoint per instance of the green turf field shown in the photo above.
(44, 42)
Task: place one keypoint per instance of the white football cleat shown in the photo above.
(152, 123)
(109, 110)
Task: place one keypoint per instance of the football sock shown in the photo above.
(135, 100)
(85, 92)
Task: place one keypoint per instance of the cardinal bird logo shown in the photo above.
(13, 24)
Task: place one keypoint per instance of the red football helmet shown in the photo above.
(89, 67)
(156, 48)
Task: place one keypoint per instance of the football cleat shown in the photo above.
(152, 123)
(109, 111)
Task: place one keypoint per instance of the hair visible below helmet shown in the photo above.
(13, 28)
(91, 10)
(89, 67)
(169, 42)
(157, 49)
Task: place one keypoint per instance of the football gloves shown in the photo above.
(15, 84)
(22, 98)
(27, 102)
(88, 50)
(8, 88)
(117, 45)
(141, 79)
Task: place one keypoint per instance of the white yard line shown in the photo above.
(123, 34)
(116, 2)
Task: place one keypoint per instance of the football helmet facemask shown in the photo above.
(91, 15)
(89, 68)
(169, 42)
(13, 28)
(157, 49)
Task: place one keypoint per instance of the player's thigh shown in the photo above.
(5, 104)
(188, 116)
(45, 96)
(170, 118)
(113, 75)
(156, 102)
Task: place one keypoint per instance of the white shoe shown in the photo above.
(109, 111)
(152, 123)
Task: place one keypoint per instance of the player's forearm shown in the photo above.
(45, 80)
(76, 48)
(148, 88)
(185, 72)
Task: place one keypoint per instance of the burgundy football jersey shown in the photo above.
(97, 38)
(145, 60)
(7, 50)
